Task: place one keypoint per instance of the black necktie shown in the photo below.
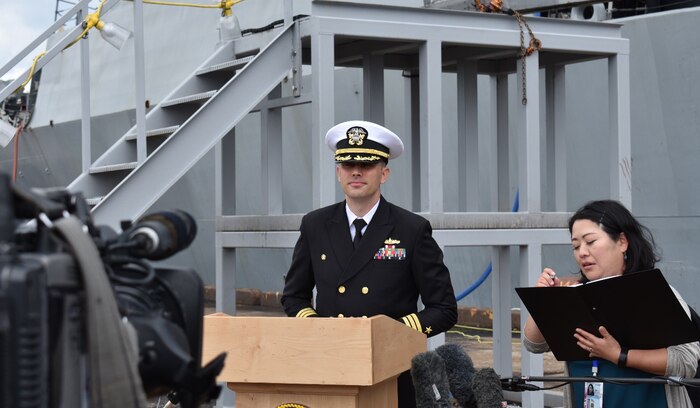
(359, 223)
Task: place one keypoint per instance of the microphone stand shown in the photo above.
(518, 384)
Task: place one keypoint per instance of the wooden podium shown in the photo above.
(314, 362)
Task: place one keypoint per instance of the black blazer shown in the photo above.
(397, 261)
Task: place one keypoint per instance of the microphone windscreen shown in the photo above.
(486, 386)
(430, 380)
(163, 234)
(460, 372)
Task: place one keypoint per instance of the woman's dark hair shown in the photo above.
(615, 219)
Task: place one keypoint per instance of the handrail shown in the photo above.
(46, 34)
(55, 50)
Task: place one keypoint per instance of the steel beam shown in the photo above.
(620, 129)
(448, 238)
(322, 119)
(430, 79)
(531, 364)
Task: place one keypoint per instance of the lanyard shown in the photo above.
(593, 391)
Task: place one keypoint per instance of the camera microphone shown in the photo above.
(162, 234)
(460, 372)
(487, 388)
(430, 381)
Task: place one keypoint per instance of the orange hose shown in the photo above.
(15, 157)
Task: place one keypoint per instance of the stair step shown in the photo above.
(202, 96)
(228, 65)
(155, 132)
(113, 167)
(127, 197)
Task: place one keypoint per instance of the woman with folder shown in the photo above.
(608, 241)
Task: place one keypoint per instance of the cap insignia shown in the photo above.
(356, 135)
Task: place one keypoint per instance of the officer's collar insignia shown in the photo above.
(392, 241)
(356, 135)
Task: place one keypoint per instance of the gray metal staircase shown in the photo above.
(182, 128)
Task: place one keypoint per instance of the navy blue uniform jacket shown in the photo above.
(397, 261)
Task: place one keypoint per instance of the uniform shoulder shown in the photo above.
(323, 212)
(406, 215)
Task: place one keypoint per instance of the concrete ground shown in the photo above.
(481, 352)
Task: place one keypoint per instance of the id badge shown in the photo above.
(593, 395)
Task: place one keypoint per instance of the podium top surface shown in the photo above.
(326, 351)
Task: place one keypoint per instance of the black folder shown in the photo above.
(639, 309)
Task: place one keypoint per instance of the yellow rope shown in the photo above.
(223, 5)
(93, 20)
(461, 326)
(78, 38)
(478, 338)
(171, 3)
(468, 336)
(481, 328)
(31, 72)
(99, 8)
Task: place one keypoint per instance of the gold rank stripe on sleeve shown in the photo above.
(412, 321)
(306, 312)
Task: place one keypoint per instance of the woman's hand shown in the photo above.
(547, 279)
(605, 347)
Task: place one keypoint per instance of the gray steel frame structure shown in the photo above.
(424, 43)
(523, 6)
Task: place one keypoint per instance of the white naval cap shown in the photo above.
(362, 141)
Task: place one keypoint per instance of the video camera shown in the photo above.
(85, 319)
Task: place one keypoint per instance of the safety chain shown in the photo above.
(493, 6)
(496, 6)
(534, 45)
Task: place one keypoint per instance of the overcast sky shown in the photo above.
(21, 21)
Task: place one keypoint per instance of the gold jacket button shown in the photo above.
(365, 290)
(341, 315)
(341, 289)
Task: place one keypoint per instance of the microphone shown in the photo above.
(486, 386)
(161, 234)
(430, 381)
(460, 372)
(517, 384)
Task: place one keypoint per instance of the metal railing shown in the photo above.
(79, 11)
(60, 11)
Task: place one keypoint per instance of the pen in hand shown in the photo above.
(548, 278)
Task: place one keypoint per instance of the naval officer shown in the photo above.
(366, 256)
